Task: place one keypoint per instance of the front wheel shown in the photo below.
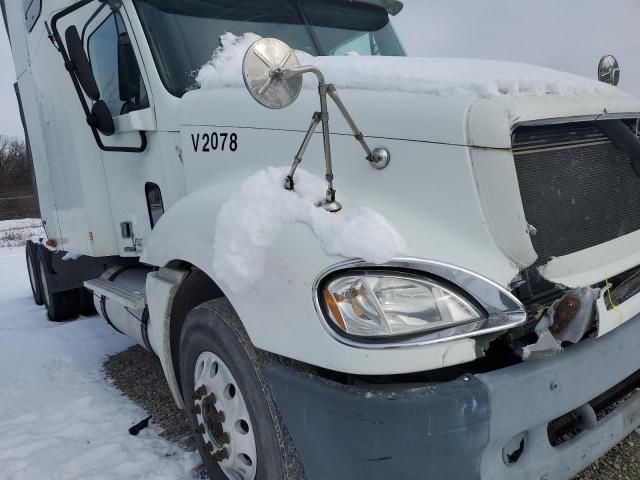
(232, 412)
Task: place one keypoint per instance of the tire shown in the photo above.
(61, 306)
(213, 341)
(34, 273)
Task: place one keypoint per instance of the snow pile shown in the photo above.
(225, 67)
(435, 76)
(253, 218)
(59, 418)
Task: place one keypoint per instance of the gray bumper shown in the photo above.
(458, 429)
(526, 397)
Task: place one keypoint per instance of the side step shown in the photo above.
(127, 298)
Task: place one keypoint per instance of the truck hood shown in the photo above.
(426, 119)
(450, 101)
(450, 203)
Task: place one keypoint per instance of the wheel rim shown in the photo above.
(223, 418)
(45, 288)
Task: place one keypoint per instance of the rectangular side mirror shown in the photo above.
(79, 63)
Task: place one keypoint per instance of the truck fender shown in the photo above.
(185, 233)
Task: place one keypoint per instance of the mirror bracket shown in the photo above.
(272, 74)
(113, 4)
(289, 182)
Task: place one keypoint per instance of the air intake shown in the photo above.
(578, 189)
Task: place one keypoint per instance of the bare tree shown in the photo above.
(15, 169)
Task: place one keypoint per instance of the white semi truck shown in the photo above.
(461, 300)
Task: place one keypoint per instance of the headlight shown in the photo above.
(386, 304)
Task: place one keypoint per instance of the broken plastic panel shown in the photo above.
(567, 320)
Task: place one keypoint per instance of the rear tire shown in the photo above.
(34, 273)
(61, 306)
(215, 352)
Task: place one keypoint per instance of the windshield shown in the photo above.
(183, 35)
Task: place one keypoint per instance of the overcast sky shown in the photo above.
(569, 35)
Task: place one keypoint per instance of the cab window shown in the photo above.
(183, 35)
(31, 9)
(115, 67)
(365, 45)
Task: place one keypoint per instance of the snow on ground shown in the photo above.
(59, 418)
(434, 76)
(253, 218)
(14, 233)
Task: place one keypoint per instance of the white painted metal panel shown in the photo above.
(31, 99)
(75, 164)
(18, 34)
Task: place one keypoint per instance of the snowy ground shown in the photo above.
(59, 417)
(15, 233)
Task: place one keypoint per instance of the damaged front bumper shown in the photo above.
(487, 426)
(587, 311)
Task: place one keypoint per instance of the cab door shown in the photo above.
(135, 179)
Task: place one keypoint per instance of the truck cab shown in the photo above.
(447, 286)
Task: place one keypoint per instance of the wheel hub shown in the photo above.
(223, 418)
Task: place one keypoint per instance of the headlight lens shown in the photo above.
(390, 304)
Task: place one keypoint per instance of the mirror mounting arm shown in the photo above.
(289, 183)
(333, 93)
(113, 4)
(357, 133)
(324, 90)
(297, 71)
(329, 203)
(272, 75)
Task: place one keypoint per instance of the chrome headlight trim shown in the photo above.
(504, 310)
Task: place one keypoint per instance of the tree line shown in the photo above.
(16, 193)
(15, 167)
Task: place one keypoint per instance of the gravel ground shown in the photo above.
(621, 463)
(138, 374)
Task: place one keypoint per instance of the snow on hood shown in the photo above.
(253, 218)
(435, 76)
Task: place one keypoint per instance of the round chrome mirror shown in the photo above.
(609, 70)
(262, 69)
